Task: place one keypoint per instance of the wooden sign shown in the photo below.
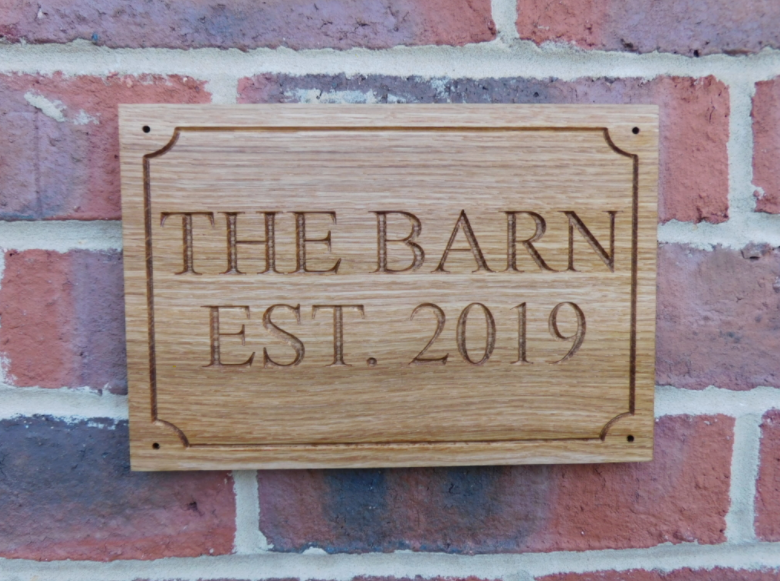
(349, 286)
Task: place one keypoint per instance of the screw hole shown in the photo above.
(146, 129)
(635, 130)
(630, 438)
(156, 446)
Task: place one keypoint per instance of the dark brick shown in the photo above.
(369, 578)
(66, 492)
(245, 24)
(682, 496)
(416, 578)
(718, 317)
(63, 319)
(693, 179)
(690, 27)
(716, 574)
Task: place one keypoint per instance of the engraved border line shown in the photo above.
(460, 129)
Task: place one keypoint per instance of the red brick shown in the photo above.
(767, 521)
(682, 496)
(716, 574)
(245, 24)
(690, 27)
(718, 317)
(69, 169)
(63, 319)
(766, 146)
(693, 180)
(67, 492)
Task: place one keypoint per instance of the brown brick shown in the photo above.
(63, 319)
(68, 167)
(67, 492)
(718, 317)
(690, 27)
(716, 574)
(245, 24)
(693, 180)
(766, 147)
(682, 496)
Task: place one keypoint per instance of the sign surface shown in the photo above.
(347, 286)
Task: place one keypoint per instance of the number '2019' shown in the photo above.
(490, 338)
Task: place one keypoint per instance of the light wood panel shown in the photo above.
(494, 268)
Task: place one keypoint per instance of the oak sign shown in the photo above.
(355, 286)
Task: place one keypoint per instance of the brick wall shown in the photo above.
(707, 508)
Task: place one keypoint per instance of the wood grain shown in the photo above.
(493, 269)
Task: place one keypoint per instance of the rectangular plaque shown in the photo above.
(408, 285)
